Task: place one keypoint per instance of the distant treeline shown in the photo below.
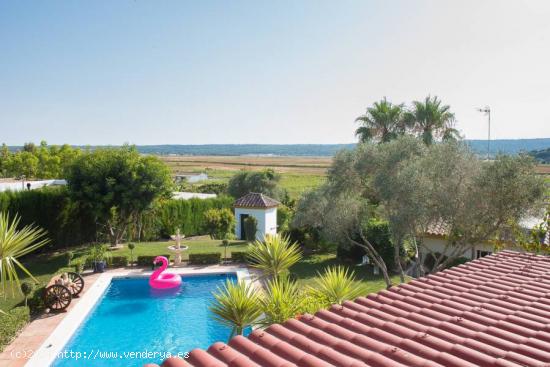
(542, 155)
(510, 146)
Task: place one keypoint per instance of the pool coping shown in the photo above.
(48, 351)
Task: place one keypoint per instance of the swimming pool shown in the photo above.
(132, 317)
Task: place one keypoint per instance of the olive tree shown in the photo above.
(490, 197)
(398, 189)
(117, 185)
(265, 182)
(342, 219)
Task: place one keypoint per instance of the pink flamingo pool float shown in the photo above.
(158, 280)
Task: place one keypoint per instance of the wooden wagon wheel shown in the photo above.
(76, 283)
(58, 297)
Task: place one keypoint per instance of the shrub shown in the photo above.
(79, 264)
(378, 233)
(218, 188)
(265, 182)
(131, 247)
(219, 222)
(118, 261)
(206, 258)
(36, 301)
(68, 257)
(26, 289)
(239, 256)
(147, 260)
(284, 217)
(187, 215)
(250, 228)
(11, 323)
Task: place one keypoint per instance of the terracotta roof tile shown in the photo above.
(494, 311)
(255, 200)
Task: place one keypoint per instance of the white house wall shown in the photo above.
(266, 218)
(436, 244)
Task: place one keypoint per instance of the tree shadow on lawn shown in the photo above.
(311, 265)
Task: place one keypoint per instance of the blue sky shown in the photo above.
(168, 72)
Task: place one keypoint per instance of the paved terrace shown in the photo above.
(493, 311)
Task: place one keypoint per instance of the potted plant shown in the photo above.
(79, 265)
(131, 246)
(26, 289)
(98, 255)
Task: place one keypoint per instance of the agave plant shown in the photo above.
(15, 243)
(337, 285)
(237, 306)
(283, 300)
(274, 256)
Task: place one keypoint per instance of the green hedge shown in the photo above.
(12, 323)
(187, 215)
(239, 256)
(51, 209)
(118, 261)
(147, 260)
(205, 258)
(68, 225)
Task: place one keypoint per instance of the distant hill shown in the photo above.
(541, 155)
(509, 146)
(247, 149)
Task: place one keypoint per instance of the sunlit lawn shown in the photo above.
(308, 268)
(195, 247)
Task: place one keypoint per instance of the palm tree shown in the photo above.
(431, 120)
(382, 122)
(274, 256)
(282, 301)
(337, 285)
(237, 306)
(15, 243)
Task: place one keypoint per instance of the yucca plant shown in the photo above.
(237, 306)
(282, 300)
(15, 243)
(337, 285)
(274, 256)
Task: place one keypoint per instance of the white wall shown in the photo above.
(267, 221)
(22, 185)
(437, 244)
(180, 195)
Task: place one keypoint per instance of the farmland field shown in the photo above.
(298, 174)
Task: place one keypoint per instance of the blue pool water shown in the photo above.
(132, 317)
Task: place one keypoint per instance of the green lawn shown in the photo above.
(195, 247)
(44, 266)
(309, 266)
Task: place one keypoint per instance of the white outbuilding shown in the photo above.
(259, 206)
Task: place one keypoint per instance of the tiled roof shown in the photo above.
(494, 311)
(256, 200)
(438, 228)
